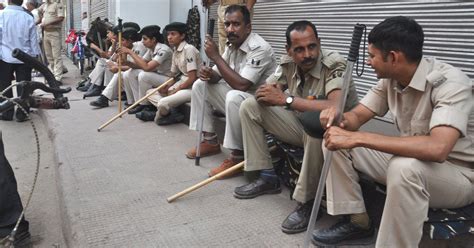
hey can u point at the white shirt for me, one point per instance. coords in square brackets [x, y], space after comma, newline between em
[17, 30]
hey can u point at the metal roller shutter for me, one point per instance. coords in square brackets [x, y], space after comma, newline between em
[99, 8]
[77, 15]
[448, 27]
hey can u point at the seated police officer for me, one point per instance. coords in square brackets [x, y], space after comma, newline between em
[247, 61]
[430, 165]
[309, 73]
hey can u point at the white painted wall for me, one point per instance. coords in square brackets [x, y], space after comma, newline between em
[179, 10]
[144, 12]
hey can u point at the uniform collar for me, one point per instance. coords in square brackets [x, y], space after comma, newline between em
[245, 46]
[181, 46]
[418, 81]
[14, 7]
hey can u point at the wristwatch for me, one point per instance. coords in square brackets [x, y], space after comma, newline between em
[289, 100]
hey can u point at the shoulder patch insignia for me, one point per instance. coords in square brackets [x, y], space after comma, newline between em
[255, 62]
[190, 60]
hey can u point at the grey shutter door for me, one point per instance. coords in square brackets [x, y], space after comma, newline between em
[448, 27]
[99, 8]
[77, 15]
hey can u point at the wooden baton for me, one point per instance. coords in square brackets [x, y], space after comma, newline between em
[207, 181]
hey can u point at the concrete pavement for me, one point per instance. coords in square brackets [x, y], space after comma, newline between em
[113, 187]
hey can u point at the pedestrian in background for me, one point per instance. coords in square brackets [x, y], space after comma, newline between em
[17, 30]
[52, 16]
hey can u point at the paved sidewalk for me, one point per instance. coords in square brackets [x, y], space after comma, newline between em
[113, 186]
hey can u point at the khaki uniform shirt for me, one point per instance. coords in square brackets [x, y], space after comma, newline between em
[254, 60]
[139, 49]
[163, 55]
[438, 95]
[51, 11]
[324, 77]
[185, 59]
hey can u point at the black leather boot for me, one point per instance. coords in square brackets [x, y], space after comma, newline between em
[94, 90]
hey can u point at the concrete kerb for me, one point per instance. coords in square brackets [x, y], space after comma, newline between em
[72, 230]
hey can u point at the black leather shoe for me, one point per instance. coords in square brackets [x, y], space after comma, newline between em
[94, 90]
[136, 109]
[256, 188]
[297, 221]
[146, 115]
[83, 83]
[343, 230]
[173, 118]
[85, 87]
[22, 236]
[100, 102]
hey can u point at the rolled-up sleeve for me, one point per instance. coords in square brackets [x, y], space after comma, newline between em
[335, 80]
[452, 104]
[161, 56]
[376, 98]
[257, 62]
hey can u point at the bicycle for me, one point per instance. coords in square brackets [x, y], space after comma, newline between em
[79, 51]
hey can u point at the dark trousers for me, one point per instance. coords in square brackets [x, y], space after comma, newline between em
[22, 73]
[10, 202]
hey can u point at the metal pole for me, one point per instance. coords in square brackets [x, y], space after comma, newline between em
[210, 30]
[351, 58]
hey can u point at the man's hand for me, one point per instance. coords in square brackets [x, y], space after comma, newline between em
[328, 118]
[123, 50]
[211, 49]
[173, 91]
[205, 73]
[164, 91]
[271, 95]
[114, 69]
[337, 138]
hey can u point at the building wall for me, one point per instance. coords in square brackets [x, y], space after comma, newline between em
[145, 12]
[179, 10]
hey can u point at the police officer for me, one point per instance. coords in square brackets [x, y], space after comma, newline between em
[430, 165]
[186, 60]
[245, 65]
[309, 73]
[130, 40]
[52, 16]
[223, 4]
[153, 69]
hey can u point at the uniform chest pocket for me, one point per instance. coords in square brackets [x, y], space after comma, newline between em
[420, 127]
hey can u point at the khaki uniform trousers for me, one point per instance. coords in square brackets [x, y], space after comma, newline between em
[224, 99]
[164, 103]
[148, 81]
[111, 91]
[412, 187]
[221, 28]
[130, 84]
[52, 48]
[97, 75]
[286, 127]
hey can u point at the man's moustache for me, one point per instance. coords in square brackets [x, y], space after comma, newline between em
[308, 61]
